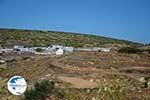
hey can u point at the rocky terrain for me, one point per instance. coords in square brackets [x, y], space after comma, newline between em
[78, 75]
[82, 70]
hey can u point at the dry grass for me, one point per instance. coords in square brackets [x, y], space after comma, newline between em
[88, 65]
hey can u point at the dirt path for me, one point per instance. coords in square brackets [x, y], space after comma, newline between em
[78, 82]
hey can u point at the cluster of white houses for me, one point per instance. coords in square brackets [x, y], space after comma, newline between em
[54, 49]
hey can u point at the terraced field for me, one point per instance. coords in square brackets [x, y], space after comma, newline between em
[84, 70]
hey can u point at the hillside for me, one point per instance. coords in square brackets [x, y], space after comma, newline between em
[74, 72]
[10, 37]
[78, 75]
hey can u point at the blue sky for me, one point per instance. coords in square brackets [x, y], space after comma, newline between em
[123, 19]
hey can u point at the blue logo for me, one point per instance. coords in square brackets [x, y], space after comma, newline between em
[17, 85]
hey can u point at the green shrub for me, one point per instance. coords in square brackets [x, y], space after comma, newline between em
[40, 91]
[147, 50]
[129, 50]
[39, 50]
[2, 90]
[2, 69]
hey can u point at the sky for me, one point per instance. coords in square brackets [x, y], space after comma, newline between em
[122, 19]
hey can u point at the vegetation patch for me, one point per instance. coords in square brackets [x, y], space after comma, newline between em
[129, 50]
[112, 89]
[39, 50]
[46, 38]
[42, 90]
[2, 90]
[147, 50]
[1, 69]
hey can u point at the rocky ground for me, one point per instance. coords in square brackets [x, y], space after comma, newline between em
[81, 70]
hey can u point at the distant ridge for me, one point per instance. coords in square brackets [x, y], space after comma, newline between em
[10, 37]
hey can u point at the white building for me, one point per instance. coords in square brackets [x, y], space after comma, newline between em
[83, 49]
[2, 61]
[57, 47]
[23, 49]
[5, 50]
[105, 49]
[59, 52]
[68, 49]
[54, 49]
[18, 46]
[94, 49]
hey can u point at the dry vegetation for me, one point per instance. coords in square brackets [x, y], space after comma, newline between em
[112, 72]
[77, 75]
[10, 37]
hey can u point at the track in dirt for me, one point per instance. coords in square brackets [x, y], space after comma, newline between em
[78, 82]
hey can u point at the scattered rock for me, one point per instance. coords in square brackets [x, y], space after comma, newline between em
[91, 80]
[93, 98]
[48, 75]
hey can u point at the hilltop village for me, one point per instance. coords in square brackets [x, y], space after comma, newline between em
[54, 49]
[21, 52]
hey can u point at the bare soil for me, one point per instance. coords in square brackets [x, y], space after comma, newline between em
[79, 69]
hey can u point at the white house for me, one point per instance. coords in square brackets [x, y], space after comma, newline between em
[68, 49]
[57, 47]
[54, 49]
[2, 61]
[23, 49]
[18, 46]
[59, 52]
[5, 50]
[105, 49]
[84, 49]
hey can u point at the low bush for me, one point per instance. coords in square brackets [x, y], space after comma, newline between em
[40, 91]
[2, 90]
[2, 69]
[147, 50]
[39, 50]
[129, 50]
